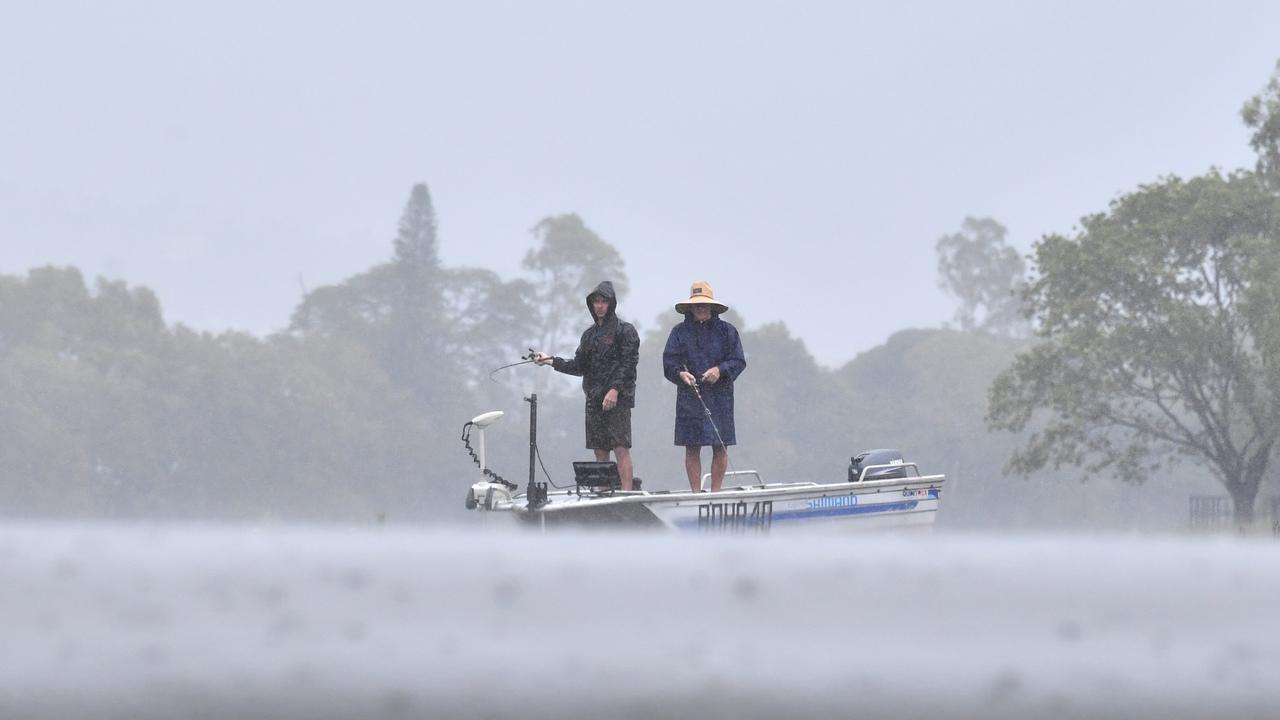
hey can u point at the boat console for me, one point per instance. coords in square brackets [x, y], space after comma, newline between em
[596, 476]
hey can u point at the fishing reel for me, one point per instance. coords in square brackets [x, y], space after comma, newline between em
[524, 360]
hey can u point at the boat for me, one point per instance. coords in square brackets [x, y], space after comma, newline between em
[881, 491]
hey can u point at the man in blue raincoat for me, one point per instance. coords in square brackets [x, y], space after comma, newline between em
[703, 358]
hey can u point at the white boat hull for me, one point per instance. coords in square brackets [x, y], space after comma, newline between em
[779, 507]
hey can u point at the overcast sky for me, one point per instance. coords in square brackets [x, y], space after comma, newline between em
[802, 157]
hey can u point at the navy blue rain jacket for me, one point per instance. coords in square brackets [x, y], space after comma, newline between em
[698, 347]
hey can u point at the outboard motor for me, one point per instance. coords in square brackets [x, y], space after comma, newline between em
[881, 464]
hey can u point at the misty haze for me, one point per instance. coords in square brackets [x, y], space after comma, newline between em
[262, 264]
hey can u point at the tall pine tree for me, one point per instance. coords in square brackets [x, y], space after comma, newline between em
[417, 329]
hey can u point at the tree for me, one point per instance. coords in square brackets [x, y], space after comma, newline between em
[417, 329]
[395, 308]
[491, 321]
[978, 267]
[75, 432]
[570, 261]
[359, 308]
[1159, 338]
[786, 402]
[1261, 113]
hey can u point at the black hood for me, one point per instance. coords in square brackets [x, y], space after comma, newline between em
[604, 289]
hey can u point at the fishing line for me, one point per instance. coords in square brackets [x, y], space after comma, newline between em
[524, 360]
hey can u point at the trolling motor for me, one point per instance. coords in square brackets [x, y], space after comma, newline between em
[494, 492]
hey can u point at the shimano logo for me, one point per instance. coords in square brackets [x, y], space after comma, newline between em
[833, 502]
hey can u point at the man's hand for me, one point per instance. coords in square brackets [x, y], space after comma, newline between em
[542, 358]
[687, 377]
[711, 376]
[610, 399]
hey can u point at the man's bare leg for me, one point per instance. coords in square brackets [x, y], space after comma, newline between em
[719, 463]
[603, 456]
[623, 454]
[693, 466]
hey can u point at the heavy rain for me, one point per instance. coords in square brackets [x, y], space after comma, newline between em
[262, 264]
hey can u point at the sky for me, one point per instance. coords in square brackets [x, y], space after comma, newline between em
[803, 157]
[187, 621]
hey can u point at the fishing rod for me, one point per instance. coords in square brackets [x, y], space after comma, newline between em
[707, 410]
[524, 360]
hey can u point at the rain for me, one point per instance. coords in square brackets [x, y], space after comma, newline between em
[262, 264]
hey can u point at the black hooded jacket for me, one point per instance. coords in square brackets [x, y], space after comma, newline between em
[607, 355]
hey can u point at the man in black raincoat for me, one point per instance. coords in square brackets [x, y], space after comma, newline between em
[606, 359]
[704, 357]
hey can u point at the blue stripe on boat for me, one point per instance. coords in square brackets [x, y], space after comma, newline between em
[841, 511]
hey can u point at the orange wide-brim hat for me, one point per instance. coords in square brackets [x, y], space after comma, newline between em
[701, 294]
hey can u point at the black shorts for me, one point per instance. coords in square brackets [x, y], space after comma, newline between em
[610, 429]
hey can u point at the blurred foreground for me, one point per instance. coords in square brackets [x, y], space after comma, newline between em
[189, 621]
